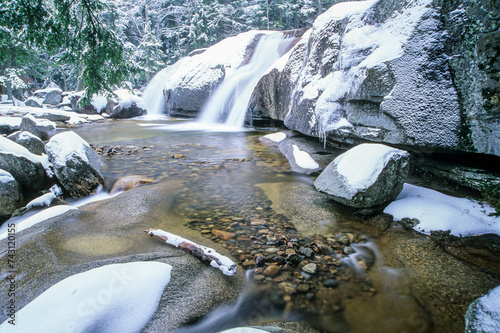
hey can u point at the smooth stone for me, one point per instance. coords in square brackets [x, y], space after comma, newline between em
[310, 268]
[331, 283]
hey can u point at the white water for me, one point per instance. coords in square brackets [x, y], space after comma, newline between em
[229, 103]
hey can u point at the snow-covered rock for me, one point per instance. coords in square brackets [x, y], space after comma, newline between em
[25, 167]
[50, 95]
[112, 298]
[31, 142]
[33, 101]
[365, 176]
[388, 72]
[438, 211]
[10, 194]
[9, 125]
[39, 127]
[128, 105]
[483, 315]
[76, 165]
[188, 83]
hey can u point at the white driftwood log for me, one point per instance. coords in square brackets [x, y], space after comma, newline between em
[226, 265]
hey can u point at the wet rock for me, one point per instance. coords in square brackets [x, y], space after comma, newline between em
[308, 252]
[303, 287]
[310, 268]
[225, 235]
[331, 283]
[342, 238]
[179, 156]
[76, 165]
[128, 182]
[248, 264]
[365, 176]
[31, 142]
[271, 270]
[348, 250]
[293, 259]
[40, 128]
[10, 194]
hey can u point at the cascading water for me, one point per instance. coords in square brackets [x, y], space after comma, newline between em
[229, 102]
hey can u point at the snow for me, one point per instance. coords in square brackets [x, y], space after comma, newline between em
[303, 159]
[244, 330]
[485, 312]
[75, 120]
[40, 217]
[227, 266]
[11, 147]
[46, 90]
[10, 121]
[276, 137]
[47, 124]
[65, 144]
[342, 10]
[437, 211]
[5, 177]
[126, 98]
[113, 298]
[43, 200]
[99, 102]
[362, 164]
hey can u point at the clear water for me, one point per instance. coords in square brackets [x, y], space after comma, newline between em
[224, 174]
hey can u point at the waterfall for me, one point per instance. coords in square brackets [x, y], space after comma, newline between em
[229, 102]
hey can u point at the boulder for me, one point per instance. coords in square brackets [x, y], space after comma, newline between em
[38, 127]
[9, 125]
[10, 194]
[51, 95]
[127, 105]
[76, 165]
[34, 102]
[483, 315]
[25, 167]
[128, 182]
[381, 71]
[31, 142]
[365, 176]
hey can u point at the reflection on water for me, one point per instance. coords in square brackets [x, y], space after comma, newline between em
[226, 180]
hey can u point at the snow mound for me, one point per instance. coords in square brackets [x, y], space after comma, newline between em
[113, 298]
[275, 137]
[437, 211]
[303, 159]
[40, 217]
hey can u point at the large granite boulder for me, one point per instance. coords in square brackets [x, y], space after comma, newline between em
[25, 167]
[51, 95]
[483, 315]
[39, 127]
[365, 176]
[416, 73]
[76, 164]
[10, 194]
[31, 142]
[127, 105]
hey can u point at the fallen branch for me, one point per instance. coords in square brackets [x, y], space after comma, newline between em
[226, 265]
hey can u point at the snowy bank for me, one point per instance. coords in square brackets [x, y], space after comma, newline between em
[437, 211]
[113, 298]
[483, 315]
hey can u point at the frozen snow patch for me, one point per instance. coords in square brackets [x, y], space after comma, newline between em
[275, 137]
[113, 298]
[303, 159]
[437, 211]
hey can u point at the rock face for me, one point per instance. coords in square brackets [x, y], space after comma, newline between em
[76, 165]
[24, 166]
[365, 176]
[40, 128]
[387, 72]
[190, 82]
[483, 315]
[10, 194]
[31, 142]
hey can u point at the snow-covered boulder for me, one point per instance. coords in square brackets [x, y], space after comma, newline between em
[112, 298]
[127, 105]
[189, 82]
[365, 176]
[27, 168]
[76, 164]
[10, 194]
[9, 125]
[33, 101]
[483, 315]
[31, 142]
[51, 95]
[39, 127]
[389, 72]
